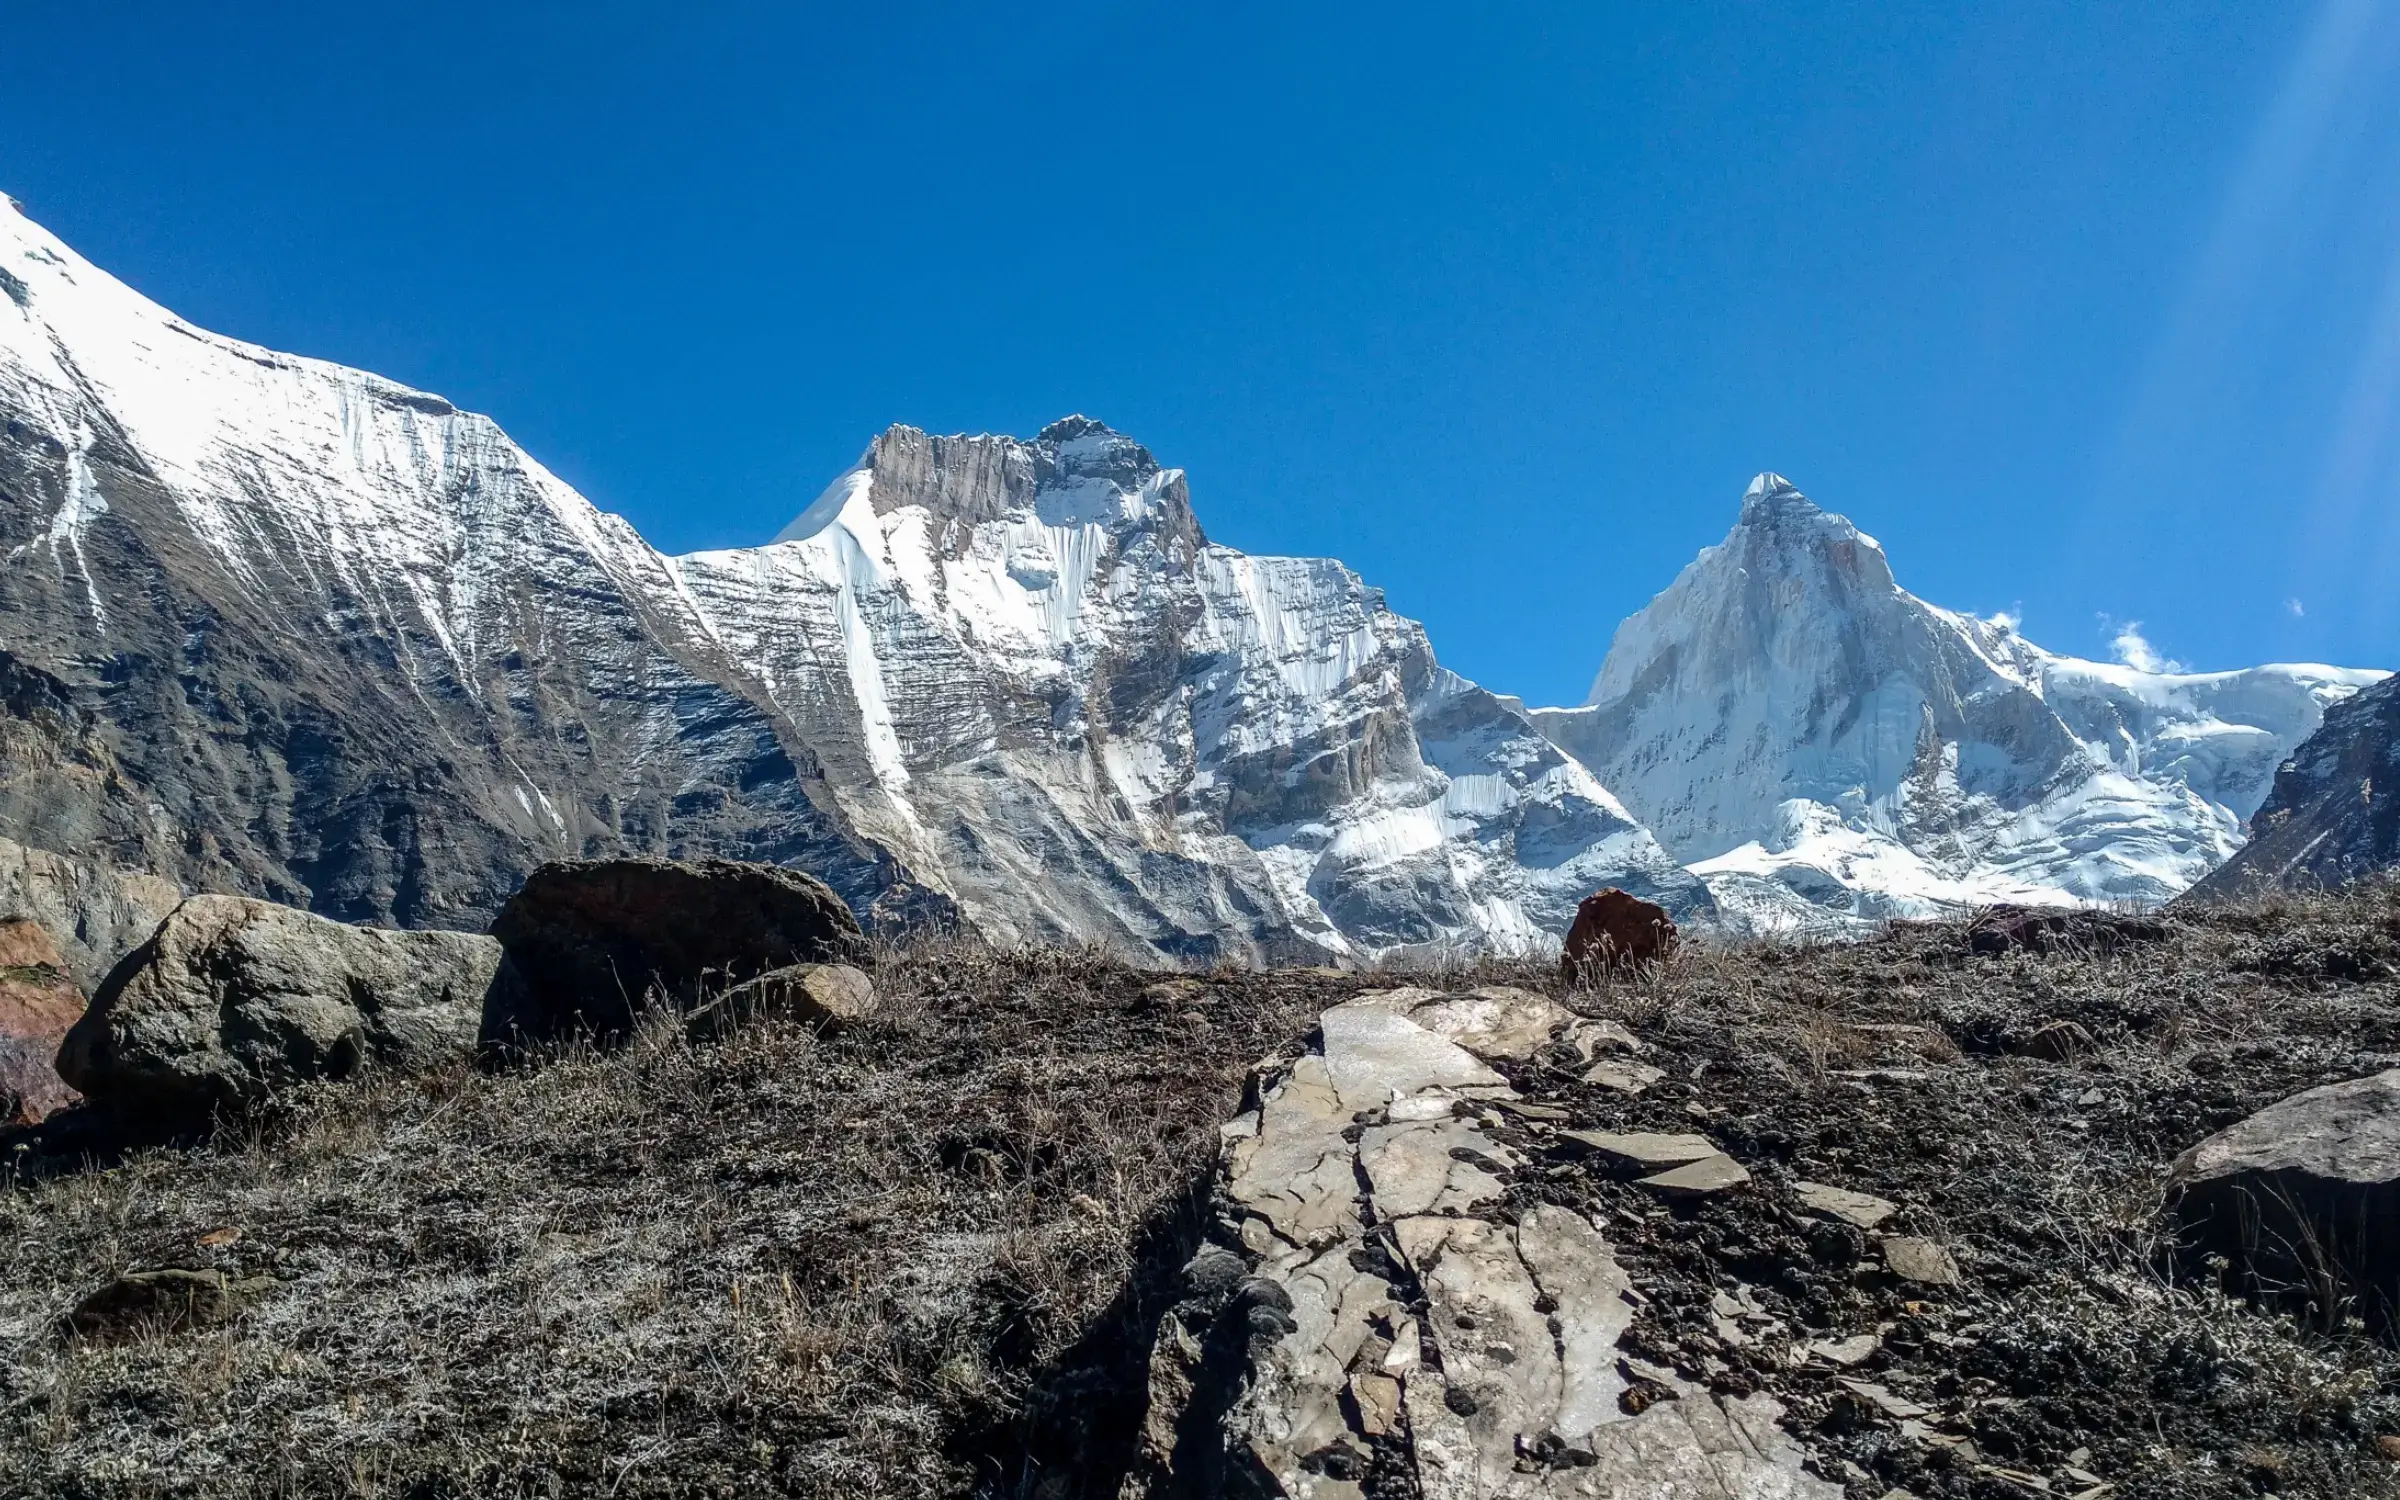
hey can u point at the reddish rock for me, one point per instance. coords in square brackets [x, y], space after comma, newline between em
[1616, 929]
[39, 1001]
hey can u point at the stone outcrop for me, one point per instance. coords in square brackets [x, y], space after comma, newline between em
[2333, 814]
[598, 941]
[94, 913]
[1366, 1309]
[1616, 930]
[233, 999]
[38, 1002]
[2303, 1199]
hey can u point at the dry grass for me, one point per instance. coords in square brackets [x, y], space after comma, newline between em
[924, 1258]
[813, 1266]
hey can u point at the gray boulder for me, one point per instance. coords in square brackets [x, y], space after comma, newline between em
[597, 941]
[2303, 1199]
[232, 999]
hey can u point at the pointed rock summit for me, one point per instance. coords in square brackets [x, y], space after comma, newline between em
[1828, 750]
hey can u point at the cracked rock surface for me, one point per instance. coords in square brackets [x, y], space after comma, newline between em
[1390, 1329]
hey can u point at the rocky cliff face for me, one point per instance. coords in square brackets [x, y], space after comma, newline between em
[2334, 812]
[277, 627]
[1829, 750]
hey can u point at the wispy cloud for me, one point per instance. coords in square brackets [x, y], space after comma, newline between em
[2134, 649]
[2007, 619]
[2298, 609]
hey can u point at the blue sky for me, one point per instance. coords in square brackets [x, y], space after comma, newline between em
[2091, 316]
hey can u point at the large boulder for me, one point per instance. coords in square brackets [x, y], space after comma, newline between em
[598, 941]
[1616, 929]
[39, 1001]
[2303, 1199]
[233, 999]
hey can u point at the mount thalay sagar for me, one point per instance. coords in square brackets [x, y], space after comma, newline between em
[271, 626]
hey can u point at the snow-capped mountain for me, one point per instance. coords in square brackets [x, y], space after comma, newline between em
[1827, 750]
[269, 624]
[1089, 718]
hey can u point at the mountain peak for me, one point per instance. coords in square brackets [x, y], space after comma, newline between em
[1075, 425]
[1771, 495]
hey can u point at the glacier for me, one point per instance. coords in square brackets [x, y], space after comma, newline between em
[1829, 751]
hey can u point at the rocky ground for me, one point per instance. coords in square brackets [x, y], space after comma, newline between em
[927, 1256]
[2020, 1112]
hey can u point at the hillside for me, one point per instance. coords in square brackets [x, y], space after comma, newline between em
[927, 1257]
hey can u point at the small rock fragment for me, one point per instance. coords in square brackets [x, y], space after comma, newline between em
[1623, 1075]
[1862, 1209]
[1897, 1407]
[1378, 1400]
[828, 996]
[2060, 1041]
[1848, 1353]
[1919, 1260]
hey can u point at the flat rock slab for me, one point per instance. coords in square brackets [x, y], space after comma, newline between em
[1364, 1184]
[1710, 1174]
[1622, 1074]
[1864, 1210]
[1644, 1149]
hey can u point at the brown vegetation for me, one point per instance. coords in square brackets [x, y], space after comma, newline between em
[923, 1257]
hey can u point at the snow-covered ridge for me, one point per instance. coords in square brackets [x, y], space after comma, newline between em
[1827, 749]
[1008, 674]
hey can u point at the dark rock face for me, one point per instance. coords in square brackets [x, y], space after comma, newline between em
[2032, 929]
[234, 998]
[595, 941]
[2334, 813]
[38, 1002]
[2303, 1199]
[1616, 929]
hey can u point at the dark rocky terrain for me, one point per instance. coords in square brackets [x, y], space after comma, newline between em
[2334, 813]
[928, 1255]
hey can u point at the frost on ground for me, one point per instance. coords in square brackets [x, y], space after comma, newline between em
[928, 1257]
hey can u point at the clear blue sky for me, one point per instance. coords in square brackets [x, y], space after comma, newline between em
[2085, 309]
